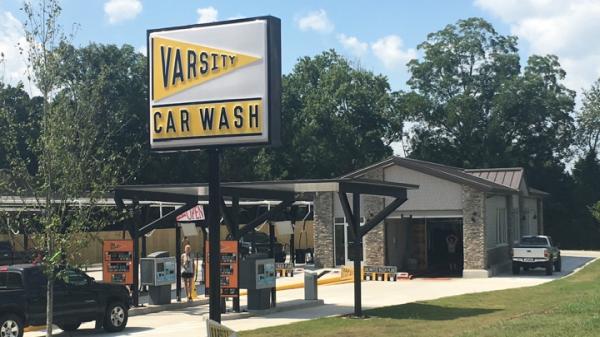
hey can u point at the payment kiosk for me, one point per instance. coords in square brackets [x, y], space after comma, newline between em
[159, 272]
[258, 276]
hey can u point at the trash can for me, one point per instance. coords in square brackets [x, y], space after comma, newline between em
[310, 285]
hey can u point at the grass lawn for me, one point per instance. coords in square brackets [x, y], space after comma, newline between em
[565, 307]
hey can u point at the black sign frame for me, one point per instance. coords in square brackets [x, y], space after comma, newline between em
[273, 85]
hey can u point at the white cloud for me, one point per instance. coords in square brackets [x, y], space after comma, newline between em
[353, 44]
[14, 68]
[122, 10]
[566, 28]
[509, 10]
[208, 14]
[317, 21]
[389, 51]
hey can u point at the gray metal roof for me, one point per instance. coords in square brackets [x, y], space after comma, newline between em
[510, 177]
[450, 173]
[494, 180]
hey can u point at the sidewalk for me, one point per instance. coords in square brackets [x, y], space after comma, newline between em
[338, 300]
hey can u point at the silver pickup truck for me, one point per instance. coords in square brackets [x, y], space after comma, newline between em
[536, 251]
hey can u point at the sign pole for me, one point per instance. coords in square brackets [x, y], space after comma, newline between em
[357, 247]
[214, 235]
[241, 109]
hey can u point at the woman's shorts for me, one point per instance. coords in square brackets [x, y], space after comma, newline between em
[187, 275]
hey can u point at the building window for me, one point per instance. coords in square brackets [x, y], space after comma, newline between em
[343, 235]
[501, 228]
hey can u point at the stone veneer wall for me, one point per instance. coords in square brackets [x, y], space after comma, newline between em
[374, 241]
[474, 228]
[323, 230]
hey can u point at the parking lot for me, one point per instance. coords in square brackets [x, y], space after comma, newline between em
[338, 300]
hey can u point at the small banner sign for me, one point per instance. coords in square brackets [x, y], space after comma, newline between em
[193, 214]
[215, 329]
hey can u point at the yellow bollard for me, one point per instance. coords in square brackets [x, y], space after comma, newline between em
[194, 290]
[194, 282]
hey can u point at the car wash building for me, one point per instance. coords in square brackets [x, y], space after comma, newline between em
[459, 221]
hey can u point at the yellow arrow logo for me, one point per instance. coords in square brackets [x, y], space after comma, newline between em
[178, 65]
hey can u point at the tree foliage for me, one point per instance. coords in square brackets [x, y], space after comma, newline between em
[335, 119]
[476, 108]
[588, 119]
[69, 143]
[595, 210]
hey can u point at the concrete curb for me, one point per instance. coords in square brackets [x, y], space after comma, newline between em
[285, 306]
[282, 307]
[150, 309]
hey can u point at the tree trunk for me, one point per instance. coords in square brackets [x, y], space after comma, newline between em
[50, 287]
[49, 306]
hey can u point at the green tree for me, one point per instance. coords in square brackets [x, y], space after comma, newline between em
[18, 124]
[586, 173]
[595, 210]
[454, 85]
[532, 116]
[111, 83]
[474, 106]
[68, 153]
[335, 119]
[588, 119]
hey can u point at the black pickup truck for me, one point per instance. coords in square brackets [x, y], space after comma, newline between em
[77, 298]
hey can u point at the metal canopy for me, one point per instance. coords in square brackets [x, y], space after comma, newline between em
[261, 190]
[285, 191]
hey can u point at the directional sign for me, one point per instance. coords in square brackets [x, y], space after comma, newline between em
[216, 84]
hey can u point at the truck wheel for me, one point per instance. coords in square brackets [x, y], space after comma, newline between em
[115, 317]
[549, 268]
[69, 327]
[558, 264]
[516, 268]
[11, 326]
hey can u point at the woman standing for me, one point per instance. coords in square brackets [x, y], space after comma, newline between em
[187, 271]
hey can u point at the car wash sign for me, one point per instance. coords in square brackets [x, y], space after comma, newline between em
[216, 84]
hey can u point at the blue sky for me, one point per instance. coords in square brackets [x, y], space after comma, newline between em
[361, 30]
[351, 27]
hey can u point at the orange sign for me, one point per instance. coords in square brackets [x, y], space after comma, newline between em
[229, 268]
[117, 262]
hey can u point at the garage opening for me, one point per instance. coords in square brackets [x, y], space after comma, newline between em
[425, 246]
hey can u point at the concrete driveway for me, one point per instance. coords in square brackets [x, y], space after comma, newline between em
[339, 300]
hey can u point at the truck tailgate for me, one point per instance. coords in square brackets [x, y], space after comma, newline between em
[529, 253]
